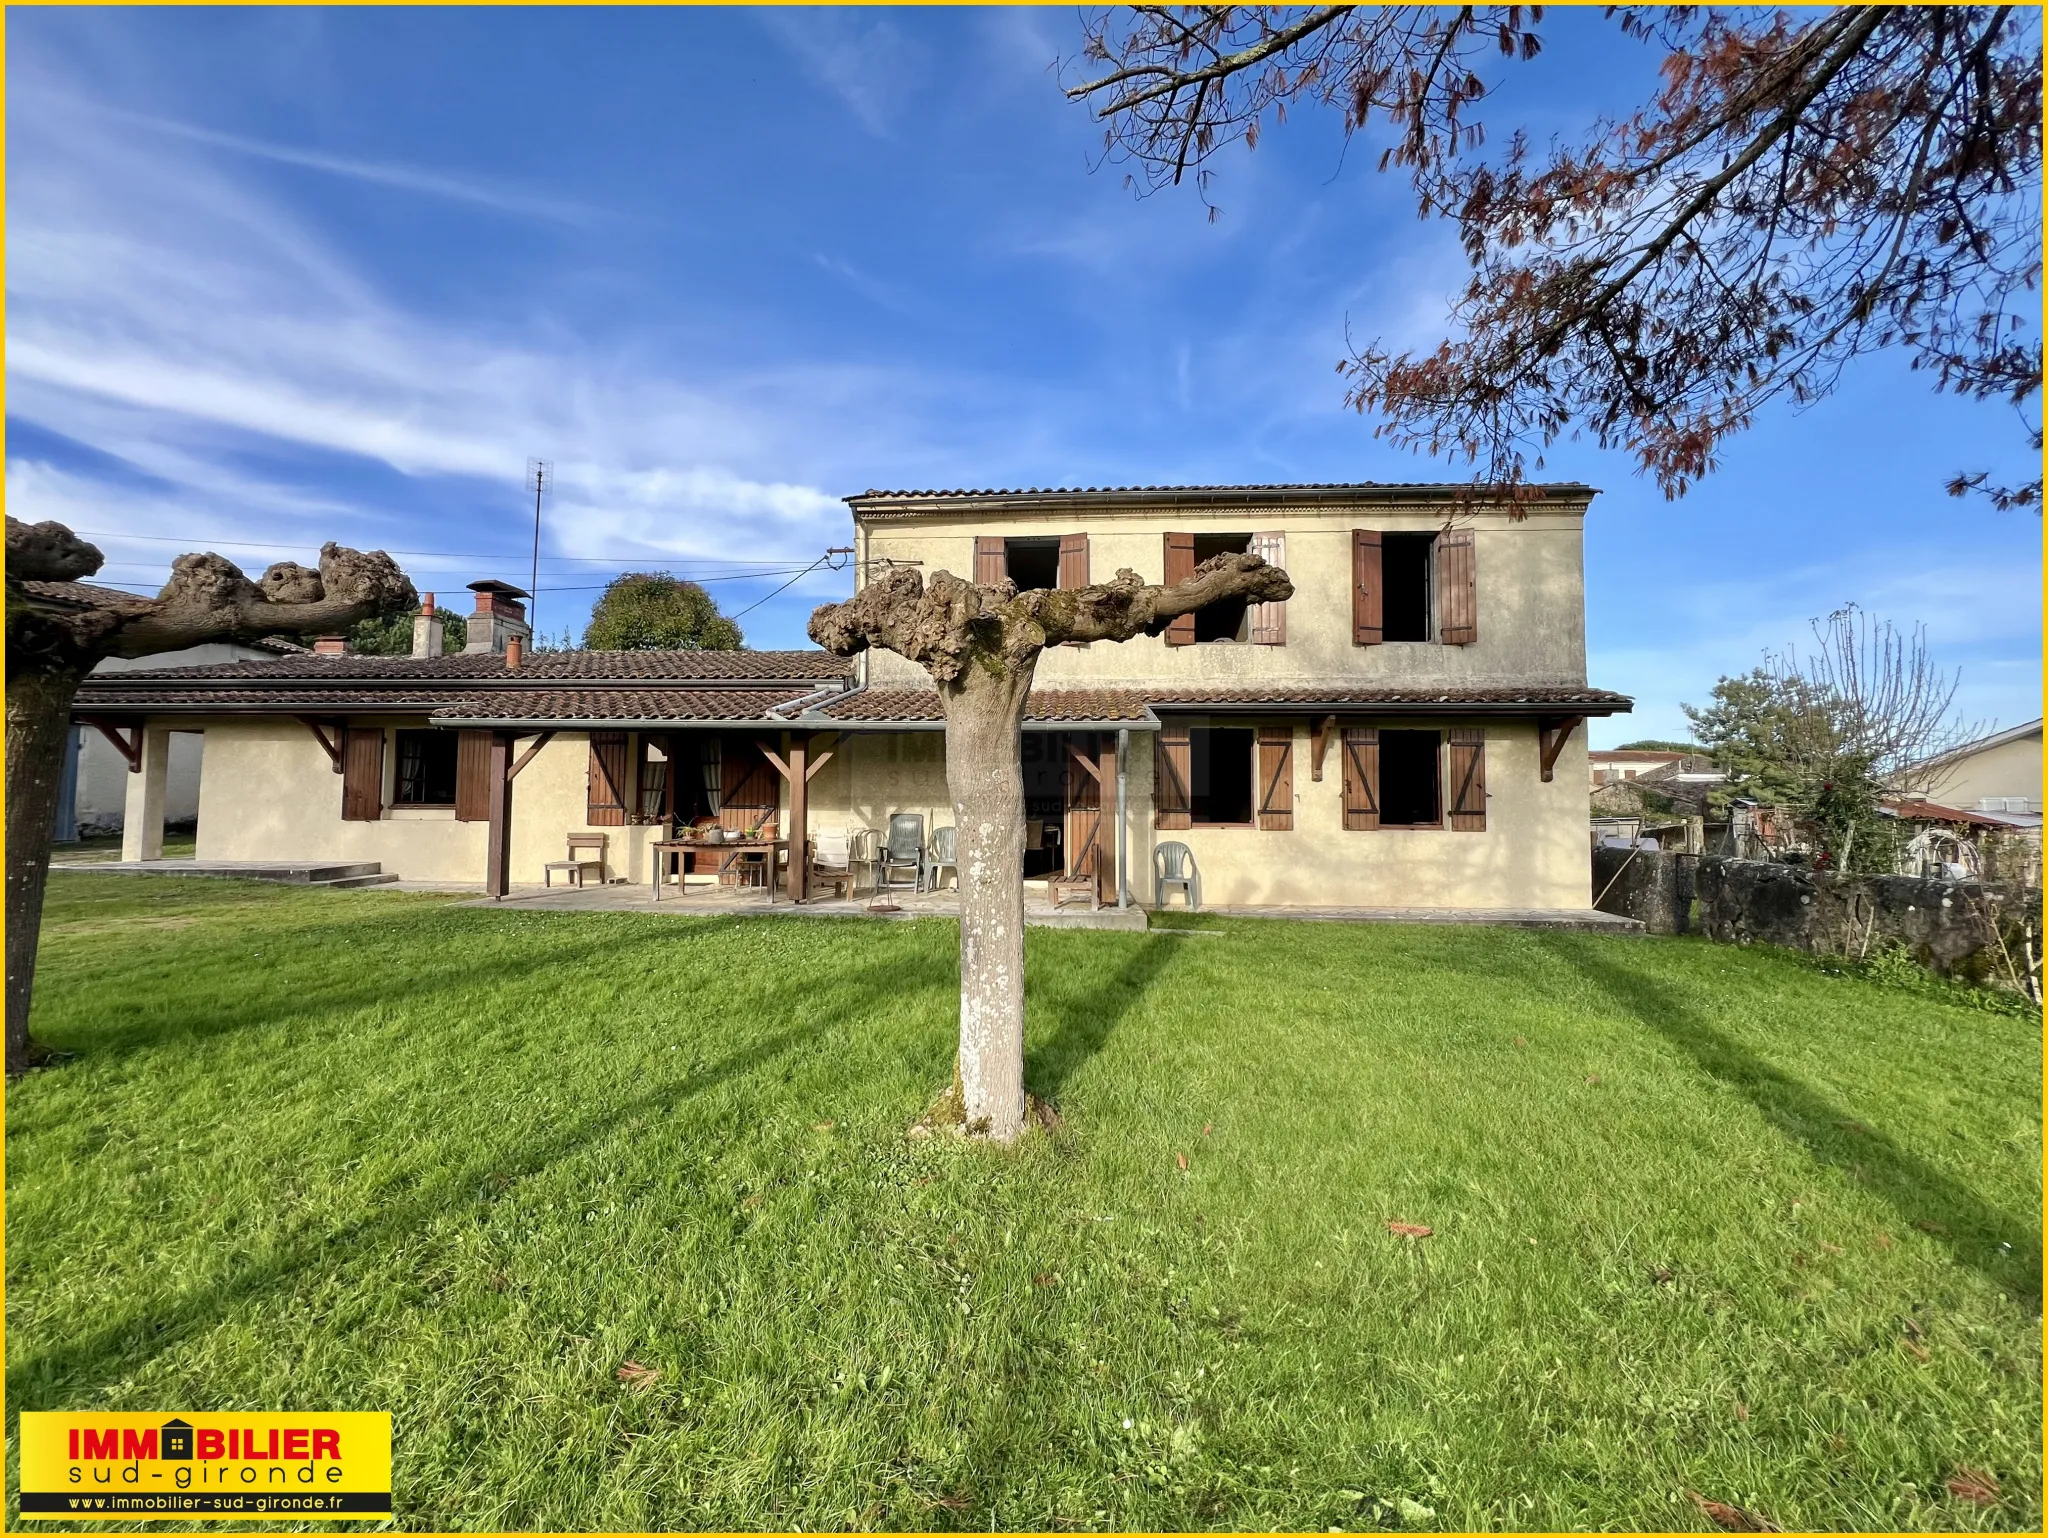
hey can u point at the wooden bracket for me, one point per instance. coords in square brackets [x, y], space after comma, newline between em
[1318, 743]
[320, 729]
[130, 747]
[1094, 772]
[1551, 735]
[773, 757]
[811, 769]
[527, 757]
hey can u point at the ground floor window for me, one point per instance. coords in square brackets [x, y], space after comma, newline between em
[426, 769]
[1411, 795]
[1220, 774]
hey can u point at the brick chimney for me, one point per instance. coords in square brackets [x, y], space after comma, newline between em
[426, 631]
[498, 618]
[330, 646]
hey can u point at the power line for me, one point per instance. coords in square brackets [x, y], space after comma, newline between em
[792, 582]
[453, 555]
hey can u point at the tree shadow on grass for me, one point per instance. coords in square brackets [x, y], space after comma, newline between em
[1083, 1017]
[76, 1367]
[2005, 1249]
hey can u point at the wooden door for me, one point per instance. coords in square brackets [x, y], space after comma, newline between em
[1084, 823]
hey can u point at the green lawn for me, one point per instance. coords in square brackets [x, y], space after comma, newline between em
[1706, 1220]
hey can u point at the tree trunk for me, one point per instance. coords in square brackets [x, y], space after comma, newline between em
[984, 727]
[38, 720]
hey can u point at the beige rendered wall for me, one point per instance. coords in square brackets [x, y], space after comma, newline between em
[2010, 769]
[1531, 593]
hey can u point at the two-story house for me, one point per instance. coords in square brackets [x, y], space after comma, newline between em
[1404, 732]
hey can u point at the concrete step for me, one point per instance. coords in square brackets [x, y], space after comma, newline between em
[291, 872]
[339, 883]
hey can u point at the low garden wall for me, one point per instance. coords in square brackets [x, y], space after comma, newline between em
[1648, 885]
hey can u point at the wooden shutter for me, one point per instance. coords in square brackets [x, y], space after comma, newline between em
[1457, 588]
[1083, 809]
[1368, 607]
[752, 790]
[1073, 560]
[1361, 777]
[1180, 565]
[473, 777]
[362, 774]
[605, 799]
[1172, 765]
[1276, 777]
[1269, 620]
[991, 561]
[1467, 799]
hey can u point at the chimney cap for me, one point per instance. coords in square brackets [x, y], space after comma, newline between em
[488, 586]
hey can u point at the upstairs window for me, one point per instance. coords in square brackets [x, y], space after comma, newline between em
[1032, 562]
[426, 768]
[1405, 585]
[1221, 621]
[1411, 795]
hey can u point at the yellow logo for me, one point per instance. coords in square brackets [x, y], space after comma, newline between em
[84, 1464]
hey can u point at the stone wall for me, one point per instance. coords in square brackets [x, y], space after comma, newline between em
[1951, 927]
[1648, 885]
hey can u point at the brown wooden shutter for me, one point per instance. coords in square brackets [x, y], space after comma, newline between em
[991, 561]
[1172, 767]
[753, 790]
[1467, 799]
[1276, 777]
[1269, 620]
[1368, 608]
[473, 777]
[1362, 777]
[1073, 560]
[362, 774]
[605, 799]
[1180, 565]
[1457, 588]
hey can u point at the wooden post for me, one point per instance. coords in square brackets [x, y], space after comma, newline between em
[799, 813]
[498, 847]
[1107, 848]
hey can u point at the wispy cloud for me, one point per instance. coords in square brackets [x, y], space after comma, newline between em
[869, 66]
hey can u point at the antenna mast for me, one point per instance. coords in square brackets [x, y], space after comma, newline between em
[540, 477]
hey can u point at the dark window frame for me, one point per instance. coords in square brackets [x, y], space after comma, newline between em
[1401, 550]
[1209, 619]
[1038, 549]
[1201, 755]
[1436, 762]
[416, 777]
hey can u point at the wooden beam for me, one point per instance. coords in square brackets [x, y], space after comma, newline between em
[130, 747]
[1085, 762]
[320, 729]
[1319, 731]
[773, 757]
[1552, 732]
[527, 757]
[799, 817]
[818, 763]
[498, 846]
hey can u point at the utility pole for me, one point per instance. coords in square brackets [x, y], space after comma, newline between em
[540, 475]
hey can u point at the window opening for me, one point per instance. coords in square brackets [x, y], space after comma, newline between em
[1220, 768]
[1410, 794]
[1221, 621]
[1404, 582]
[1032, 562]
[426, 769]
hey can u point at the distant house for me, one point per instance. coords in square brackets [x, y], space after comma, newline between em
[1999, 775]
[1609, 766]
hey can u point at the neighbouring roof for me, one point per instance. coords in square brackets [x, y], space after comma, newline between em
[1632, 755]
[1917, 810]
[2018, 733]
[906, 504]
[86, 595]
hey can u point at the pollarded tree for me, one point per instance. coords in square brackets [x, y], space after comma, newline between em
[981, 645]
[59, 627]
[1803, 187]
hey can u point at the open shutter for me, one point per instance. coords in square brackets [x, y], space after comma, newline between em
[1269, 620]
[991, 561]
[362, 774]
[753, 790]
[473, 777]
[1362, 777]
[1276, 777]
[1172, 764]
[605, 800]
[1180, 565]
[1073, 560]
[1457, 588]
[1468, 779]
[1368, 611]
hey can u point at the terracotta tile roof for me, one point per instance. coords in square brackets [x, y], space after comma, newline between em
[116, 694]
[920, 705]
[87, 595]
[1434, 697]
[551, 705]
[694, 666]
[1292, 491]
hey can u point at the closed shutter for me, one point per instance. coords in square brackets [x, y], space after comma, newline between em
[1172, 762]
[1073, 560]
[991, 561]
[1368, 610]
[1276, 777]
[362, 774]
[753, 790]
[1467, 799]
[1457, 588]
[1269, 620]
[1361, 778]
[473, 777]
[605, 799]
[1084, 812]
[1180, 565]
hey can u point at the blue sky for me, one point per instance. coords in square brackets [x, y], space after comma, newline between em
[277, 276]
